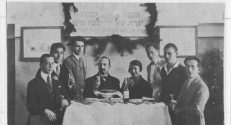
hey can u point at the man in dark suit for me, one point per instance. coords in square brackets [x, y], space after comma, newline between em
[101, 81]
[44, 95]
[73, 73]
[173, 75]
[193, 96]
[57, 51]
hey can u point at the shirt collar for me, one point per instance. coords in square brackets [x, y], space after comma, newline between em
[155, 62]
[190, 80]
[174, 66]
[44, 76]
[76, 56]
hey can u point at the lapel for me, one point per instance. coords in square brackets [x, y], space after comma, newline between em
[78, 63]
[44, 89]
[190, 90]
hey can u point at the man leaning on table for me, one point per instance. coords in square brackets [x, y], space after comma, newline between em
[96, 85]
[45, 95]
[193, 96]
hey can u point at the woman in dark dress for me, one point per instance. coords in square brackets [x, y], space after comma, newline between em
[138, 87]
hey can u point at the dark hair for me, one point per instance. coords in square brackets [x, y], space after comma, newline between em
[105, 57]
[78, 38]
[152, 45]
[42, 58]
[169, 45]
[136, 63]
[192, 58]
[57, 45]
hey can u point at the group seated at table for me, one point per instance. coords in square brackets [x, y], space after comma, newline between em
[103, 85]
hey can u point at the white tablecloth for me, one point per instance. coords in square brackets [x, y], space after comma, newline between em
[99, 113]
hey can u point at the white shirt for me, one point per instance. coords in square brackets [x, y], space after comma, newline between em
[44, 76]
[175, 66]
[57, 66]
[76, 56]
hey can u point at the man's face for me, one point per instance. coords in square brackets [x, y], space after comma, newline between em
[152, 53]
[58, 55]
[134, 70]
[170, 55]
[103, 66]
[78, 47]
[192, 68]
[48, 65]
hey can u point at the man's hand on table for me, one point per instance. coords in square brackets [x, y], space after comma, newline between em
[64, 103]
[50, 115]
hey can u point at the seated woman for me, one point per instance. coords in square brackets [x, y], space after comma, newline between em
[138, 87]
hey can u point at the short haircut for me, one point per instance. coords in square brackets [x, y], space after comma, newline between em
[152, 45]
[192, 58]
[78, 38]
[42, 58]
[135, 63]
[105, 57]
[57, 45]
[169, 45]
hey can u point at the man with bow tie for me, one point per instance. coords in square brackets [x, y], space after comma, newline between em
[45, 95]
[101, 81]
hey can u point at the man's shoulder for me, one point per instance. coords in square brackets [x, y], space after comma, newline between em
[34, 81]
[113, 78]
[68, 59]
[200, 83]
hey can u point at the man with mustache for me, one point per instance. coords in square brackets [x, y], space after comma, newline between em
[74, 69]
[102, 81]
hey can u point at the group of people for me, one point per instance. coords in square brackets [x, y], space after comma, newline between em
[60, 80]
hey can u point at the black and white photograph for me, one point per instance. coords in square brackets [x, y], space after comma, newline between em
[116, 63]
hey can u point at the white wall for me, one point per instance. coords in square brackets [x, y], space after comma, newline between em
[51, 14]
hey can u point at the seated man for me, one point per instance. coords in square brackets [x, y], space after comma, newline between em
[193, 96]
[102, 82]
[45, 95]
[138, 87]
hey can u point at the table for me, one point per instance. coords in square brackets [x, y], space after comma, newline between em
[99, 113]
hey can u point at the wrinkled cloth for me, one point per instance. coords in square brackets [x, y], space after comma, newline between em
[99, 113]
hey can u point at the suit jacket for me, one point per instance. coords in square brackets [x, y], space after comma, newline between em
[172, 83]
[111, 83]
[140, 88]
[77, 69]
[191, 103]
[39, 98]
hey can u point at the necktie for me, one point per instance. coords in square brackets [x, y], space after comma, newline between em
[58, 70]
[49, 83]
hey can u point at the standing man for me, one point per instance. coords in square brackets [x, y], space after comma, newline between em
[57, 51]
[45, 95]
[193, 96]
[74, 69]
[154, 69]
[102, 81]
[173, 76]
